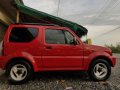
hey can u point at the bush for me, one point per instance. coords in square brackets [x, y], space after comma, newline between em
[115, 49]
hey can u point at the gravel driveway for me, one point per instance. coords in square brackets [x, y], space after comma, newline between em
[65, 81]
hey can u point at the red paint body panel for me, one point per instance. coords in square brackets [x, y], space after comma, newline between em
[59, 57]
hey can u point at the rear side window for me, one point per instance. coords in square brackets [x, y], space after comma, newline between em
[23, 34]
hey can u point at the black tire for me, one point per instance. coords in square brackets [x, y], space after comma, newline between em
[28, 72]
[92, 68]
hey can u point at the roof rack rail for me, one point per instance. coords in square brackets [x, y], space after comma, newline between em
[42, 24]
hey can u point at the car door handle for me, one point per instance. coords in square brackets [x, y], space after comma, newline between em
[48, 47]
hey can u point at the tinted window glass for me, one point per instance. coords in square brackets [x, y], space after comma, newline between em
[23, 34]
[54, 36]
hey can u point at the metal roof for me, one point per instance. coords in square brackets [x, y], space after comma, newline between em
[34, 16]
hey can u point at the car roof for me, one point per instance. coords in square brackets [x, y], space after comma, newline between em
[38, 25]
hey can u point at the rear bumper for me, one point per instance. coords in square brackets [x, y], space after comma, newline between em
[3, 61]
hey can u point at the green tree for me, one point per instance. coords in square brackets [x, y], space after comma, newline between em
[115, 49]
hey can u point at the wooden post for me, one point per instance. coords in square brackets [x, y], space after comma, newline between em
[18, 17]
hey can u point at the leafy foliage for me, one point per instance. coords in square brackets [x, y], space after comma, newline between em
[115, 49]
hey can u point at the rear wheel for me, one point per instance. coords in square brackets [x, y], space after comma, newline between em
[18, 72]
[99, 70]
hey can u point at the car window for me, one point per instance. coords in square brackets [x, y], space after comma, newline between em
[54, 36]
[69, 37]
[23, 34]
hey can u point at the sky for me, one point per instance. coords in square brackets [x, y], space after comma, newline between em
[100, 17]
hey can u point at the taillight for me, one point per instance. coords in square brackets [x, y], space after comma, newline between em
[1, 48]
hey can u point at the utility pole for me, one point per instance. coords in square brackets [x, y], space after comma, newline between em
[58, 7]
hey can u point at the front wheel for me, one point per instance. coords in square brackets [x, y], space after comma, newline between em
[18, 72]
[99, 70]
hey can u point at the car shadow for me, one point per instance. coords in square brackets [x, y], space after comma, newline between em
[62, 75]
[52, 76]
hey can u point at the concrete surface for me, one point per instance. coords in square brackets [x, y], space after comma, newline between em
[66, 81]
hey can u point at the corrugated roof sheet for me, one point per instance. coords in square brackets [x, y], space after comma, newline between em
[44, 17]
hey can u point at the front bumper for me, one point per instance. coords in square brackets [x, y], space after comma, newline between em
[113, 59]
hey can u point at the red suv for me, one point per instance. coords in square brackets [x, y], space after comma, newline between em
[30, 48]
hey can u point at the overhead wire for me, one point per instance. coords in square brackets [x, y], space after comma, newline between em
[111, 3]
[116, 4]
[108, 7]
[107, 32]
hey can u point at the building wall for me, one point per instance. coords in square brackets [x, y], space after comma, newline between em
[2, 31]
[4, 22]
[4, 17]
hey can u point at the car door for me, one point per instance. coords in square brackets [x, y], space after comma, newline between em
[58, 50]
